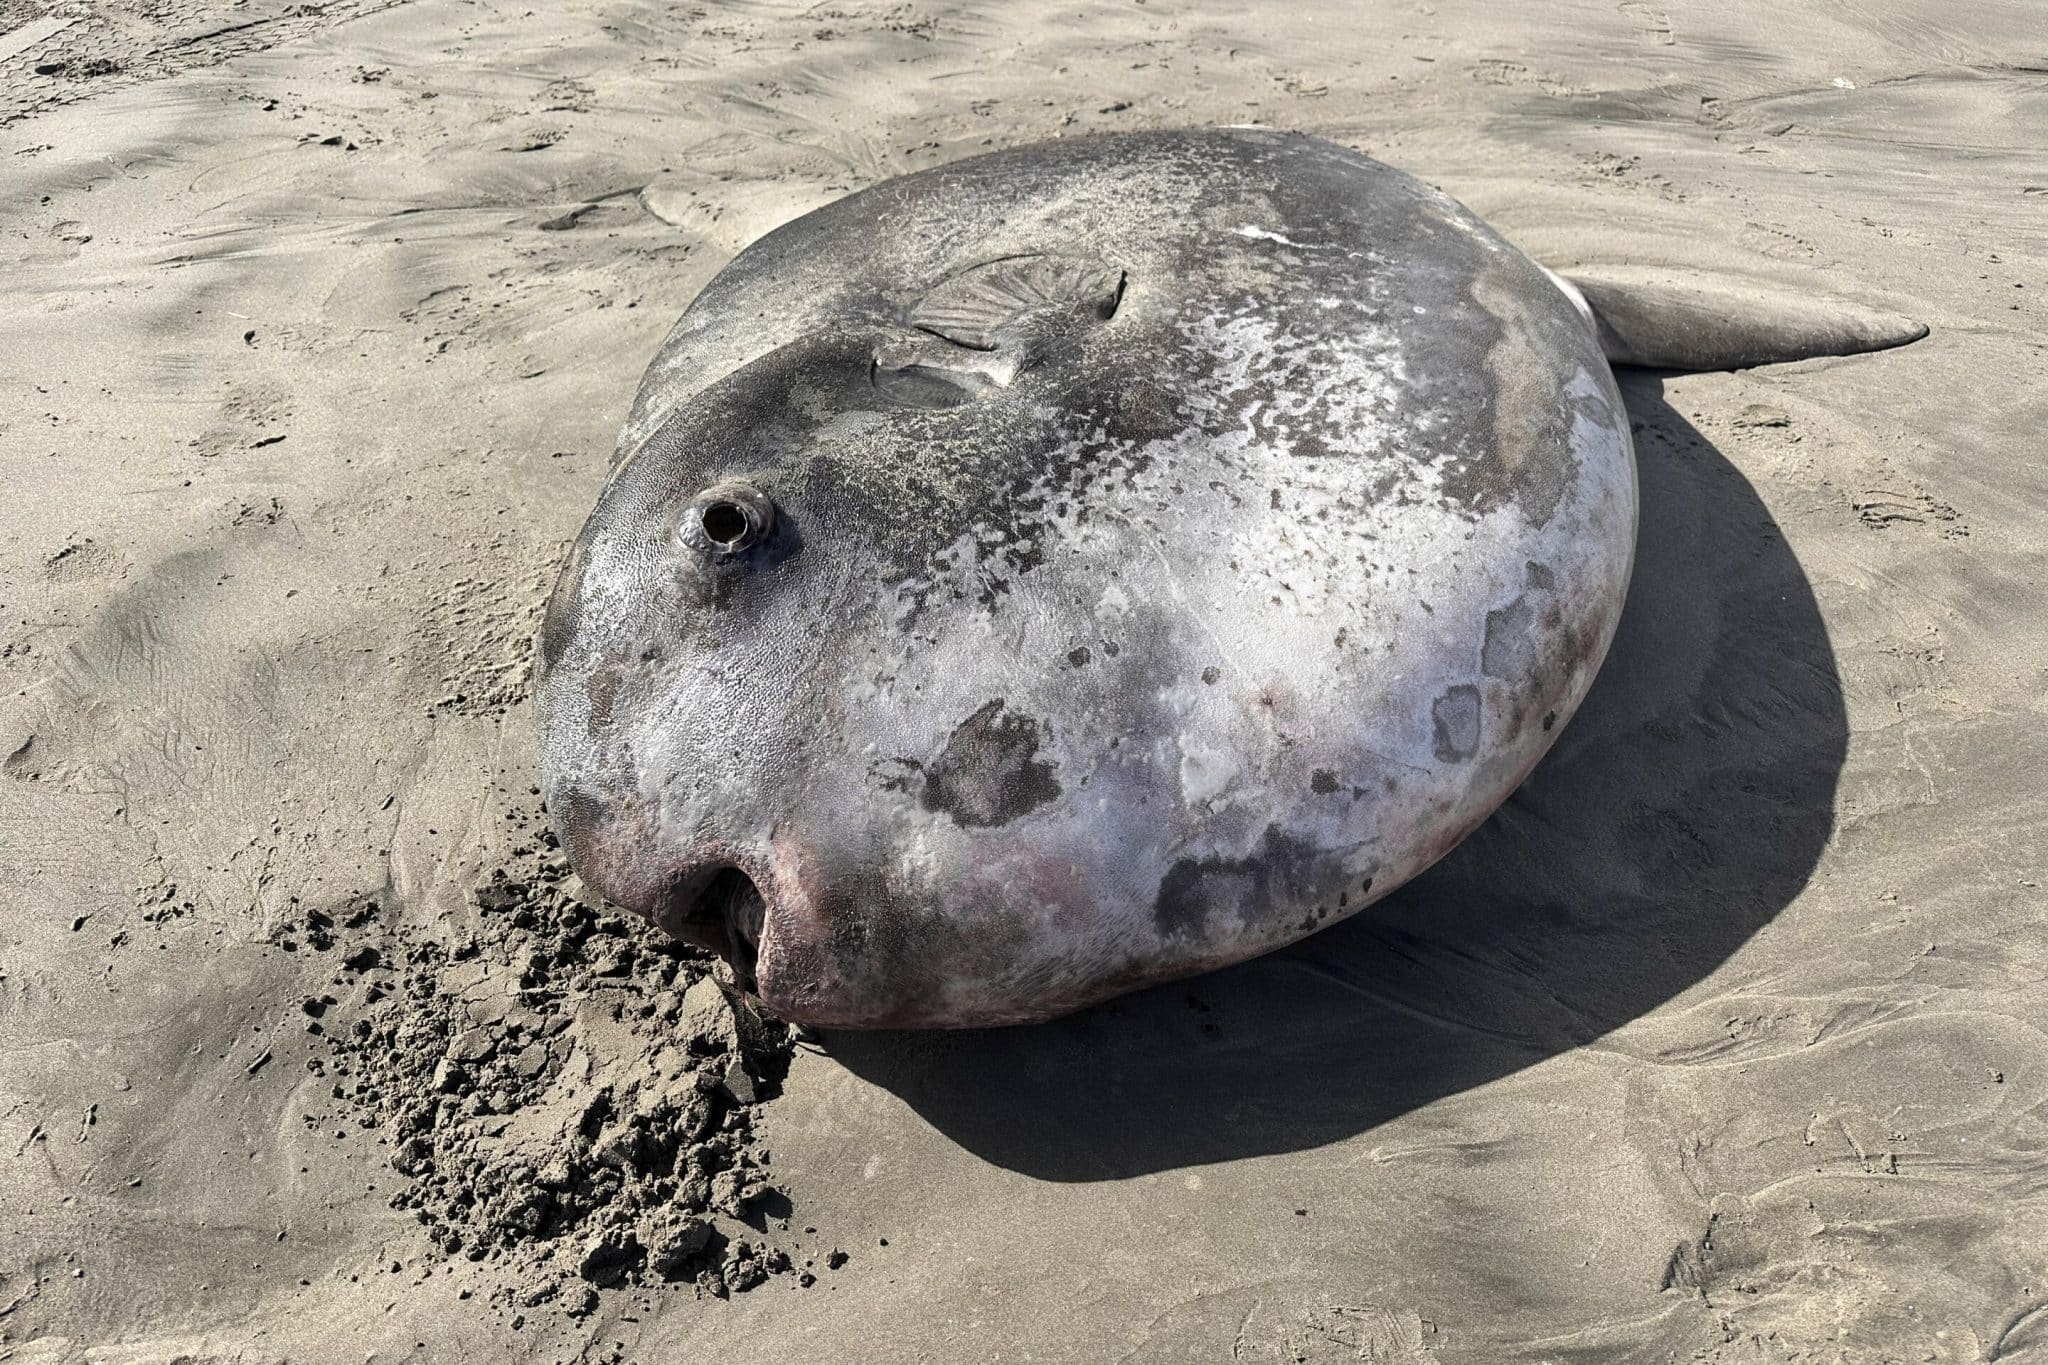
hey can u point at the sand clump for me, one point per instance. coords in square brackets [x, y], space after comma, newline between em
[569, 1093]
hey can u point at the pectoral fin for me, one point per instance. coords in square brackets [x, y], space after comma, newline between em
[1668, 321]
[981, 328]
[996, 303]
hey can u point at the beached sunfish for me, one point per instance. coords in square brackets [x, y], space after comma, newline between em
[1094, 563]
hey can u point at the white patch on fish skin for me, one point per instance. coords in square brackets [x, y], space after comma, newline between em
[1335, 388]
[1260, 234]
[1205, 773]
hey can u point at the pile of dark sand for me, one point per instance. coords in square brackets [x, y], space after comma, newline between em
[570, 1092]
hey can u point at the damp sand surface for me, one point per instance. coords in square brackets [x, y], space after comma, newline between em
[1722, 1041]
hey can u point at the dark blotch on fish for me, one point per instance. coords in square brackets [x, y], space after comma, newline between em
[1283, 872]
[989, 773]
[1455, 716]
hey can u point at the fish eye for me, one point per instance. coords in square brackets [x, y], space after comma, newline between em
[727, 518]
[725, 522]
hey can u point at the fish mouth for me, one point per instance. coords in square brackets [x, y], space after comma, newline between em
[721, 910]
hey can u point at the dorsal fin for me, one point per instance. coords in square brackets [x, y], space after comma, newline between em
[1661, 320]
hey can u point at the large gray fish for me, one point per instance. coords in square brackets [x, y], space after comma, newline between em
[1094, 563]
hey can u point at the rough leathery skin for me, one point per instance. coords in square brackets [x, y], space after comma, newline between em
[1105, 649]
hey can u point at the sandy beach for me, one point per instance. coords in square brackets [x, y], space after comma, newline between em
[1721, 1041]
